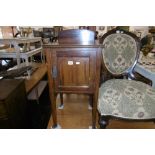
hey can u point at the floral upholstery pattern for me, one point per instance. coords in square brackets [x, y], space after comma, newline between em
[126, 99]
[119, 52]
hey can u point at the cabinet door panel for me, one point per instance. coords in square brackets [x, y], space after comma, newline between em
[73, 71]
[76, 70]
[81, 71]
[65, 71]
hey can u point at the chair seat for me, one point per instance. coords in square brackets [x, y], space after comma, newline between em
[127, 99]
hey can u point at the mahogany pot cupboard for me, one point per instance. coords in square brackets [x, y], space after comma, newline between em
[74, 67]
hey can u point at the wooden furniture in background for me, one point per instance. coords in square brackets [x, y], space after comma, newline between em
[15, 51]
[36, 77]
[39, 108]
[12, 104]
[15, 92]
[74, 67]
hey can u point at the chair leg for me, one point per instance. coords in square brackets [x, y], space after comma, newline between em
[103, 122]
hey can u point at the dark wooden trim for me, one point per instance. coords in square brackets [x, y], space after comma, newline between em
[104, 120]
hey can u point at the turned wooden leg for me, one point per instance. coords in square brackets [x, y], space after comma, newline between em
[103, 122]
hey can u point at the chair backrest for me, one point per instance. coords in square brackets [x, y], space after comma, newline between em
[76, 36]
[120, 52]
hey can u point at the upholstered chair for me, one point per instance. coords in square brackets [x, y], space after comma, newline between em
[123, 98]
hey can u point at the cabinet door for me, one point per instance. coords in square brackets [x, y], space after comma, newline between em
[75, 70]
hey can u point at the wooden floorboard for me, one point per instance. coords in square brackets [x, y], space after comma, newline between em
[76, 115]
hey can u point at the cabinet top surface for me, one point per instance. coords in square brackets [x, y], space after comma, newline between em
[57, 45]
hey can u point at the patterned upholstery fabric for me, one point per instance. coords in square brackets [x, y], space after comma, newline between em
[119, 52]
[127, 99]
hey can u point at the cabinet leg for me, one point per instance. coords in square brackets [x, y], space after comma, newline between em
[61, 106]
[90, 105]
[54, 112]
[94, 111]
